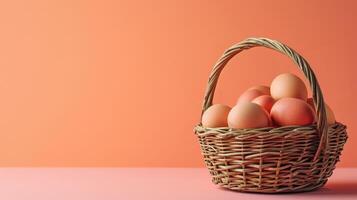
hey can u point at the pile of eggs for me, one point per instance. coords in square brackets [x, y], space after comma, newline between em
[284, 103]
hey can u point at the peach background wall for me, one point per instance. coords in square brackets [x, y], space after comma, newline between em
[120, 83]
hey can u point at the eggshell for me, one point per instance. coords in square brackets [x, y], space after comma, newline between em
[249, 95]
[329, 113]
[292, 111]
[262, 88]
[288, 85]
[248, 115]
[216, 116]
[265, 101]
[310, 101]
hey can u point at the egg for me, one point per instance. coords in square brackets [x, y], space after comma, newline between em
[329, 113]
[288, 85]
[265, 101]
[262, 88]
[292, 111]
[310, 101]
[216, 116]
[248, 115]
[249, 95]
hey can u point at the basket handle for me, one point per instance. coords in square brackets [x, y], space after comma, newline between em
[299, 61]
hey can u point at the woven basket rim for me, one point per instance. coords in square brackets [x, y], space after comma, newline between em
[225, 131]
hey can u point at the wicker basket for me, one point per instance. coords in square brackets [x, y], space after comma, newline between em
[271, 160]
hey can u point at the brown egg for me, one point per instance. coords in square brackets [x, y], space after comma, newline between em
[265, 101]
[329, 113]
[216, 116]
[310, 101]
[292, 111]
[249, 95]
[288, 85]
[262, 88]
[248, 115]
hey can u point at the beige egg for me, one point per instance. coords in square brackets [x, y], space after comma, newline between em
[248, 115]
[265, 101]
[249, 95]
[216, 116]
[262, 88]
[288, 85]
[292, 111]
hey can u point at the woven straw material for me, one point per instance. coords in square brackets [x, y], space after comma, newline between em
[271, 160]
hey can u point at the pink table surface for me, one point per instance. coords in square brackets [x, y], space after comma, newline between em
[145, 183]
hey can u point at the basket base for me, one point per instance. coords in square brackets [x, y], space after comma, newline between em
[278, 160]
[272, 190]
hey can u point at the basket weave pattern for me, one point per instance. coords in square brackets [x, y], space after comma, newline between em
[271, 160]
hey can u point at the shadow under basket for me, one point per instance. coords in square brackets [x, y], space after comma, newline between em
[271, 160]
